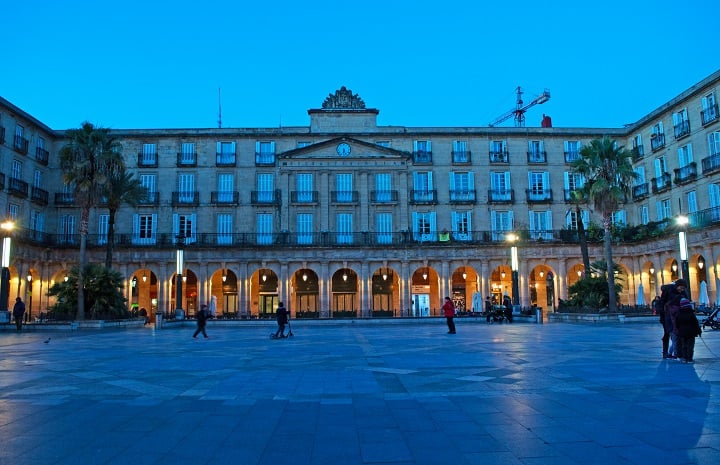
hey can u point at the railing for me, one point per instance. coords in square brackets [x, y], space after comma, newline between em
[501, 196]
[568, 194]
[2, 134]
[42, 156]
[186, 160]
[260, 198]
[638, 152]
[150, 198]
[186, 198]
[39, 196]
[571, 156]
[20, 145]
[462, 196]
[423, 196]
[499, 157]
[147, 160]
[709, 115]
[18, 187]
[711, 163]
[310, 197]
[537, 156]
[539, 195]
[641, 191]
[225, 159]
[390, 196]
[682, 129]
[686, 174]
[662, 183]
[422, 157]
[657, 141]
[225, 197]
[344, 196]
[462, 157]
[264, 158]
[64, 198]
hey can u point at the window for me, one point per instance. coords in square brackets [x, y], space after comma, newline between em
[501, 223]
[643, 214]
[462, 226]
[344, 187]
[149, 182]
[384, 228]
[619, 218]
[692, 202]
[16, 169]
[498, 151]
[383, 187]
[265, 188]
[681, 125]
[572, 221]
[572, 150]
[186, 188]
[344, 228]
[187, 153]
[500, 186]
[265, 152]
[660, 167]
[685, 155]
[37, 221]
[185, 226]
[304, 228]
[424, 226]
[657, 136]
[103, 228]
[709, 109]
[640, 175]
[541, 225]
[637, 142]
[423, 187]
[538, 186]
[225, 153]
[149, 154]
[536, 153]
[14, 211]
[663, 209]
[462, 187]
[144, 227]
[224, 229]
[714, 143]
[573, 182]
[264, 228]
[37, 179]
[226, 187]
[304, 186]
[714, 194]
[460, 152]
[67, 229]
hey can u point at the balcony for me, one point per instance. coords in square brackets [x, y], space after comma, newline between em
[423, 197]
[225, 159]
[344, 196]
[186, 198]
[709, 115]
[568, 195]
[711, 163]
[463, 196]
[657, 141]
[537, 156]
[39, 196]
[422, 157]
[686, 173]
[641, 191]
[18, 188]
[390, 196]
[682, 129]
[186, 160]
[42, 156]
[264, 158]
[463, 157]
[147, 160]
[306, 197]
[225, 198]
[264, 198]
[661, 184]
[64, 198]
[501, 196]
[20, 145]
[499, 157]
[638, 152]
[150, 199]
[572, 156]
[539, 195]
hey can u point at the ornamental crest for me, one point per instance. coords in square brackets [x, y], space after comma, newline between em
[343, 99]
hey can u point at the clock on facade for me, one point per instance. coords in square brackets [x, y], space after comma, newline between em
[343, 149]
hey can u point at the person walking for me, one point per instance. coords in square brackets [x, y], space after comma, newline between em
[202, 317]
[282, 319]
[19, 313]
[488, 309]
[449, 311]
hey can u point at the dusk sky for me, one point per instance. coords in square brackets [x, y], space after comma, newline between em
[147, 64]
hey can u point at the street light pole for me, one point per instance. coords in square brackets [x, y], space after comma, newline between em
[682, 239]
[179, 265]
[514, 265]
[7, 228]
[29, 293]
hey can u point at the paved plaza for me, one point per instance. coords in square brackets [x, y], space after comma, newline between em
[359, 393]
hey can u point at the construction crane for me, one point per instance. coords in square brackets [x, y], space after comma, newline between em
[519, 111]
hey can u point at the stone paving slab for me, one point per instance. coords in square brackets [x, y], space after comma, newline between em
[359, 394]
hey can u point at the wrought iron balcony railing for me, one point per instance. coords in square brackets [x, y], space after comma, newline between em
[42, 156]
[539, 195]
[537, 156]
[501, 196]
[711, 163]
[463, 196]
[225, 198]
[686, 173]
[185, 198]
[657, 141]
[709, 115]
[422, 157]
[662, 183]
[682, 129]
[461, 157]
[499, 157]
[423, 196]
[390, 196]
[309, 197]
[186, 159]
[641, 191]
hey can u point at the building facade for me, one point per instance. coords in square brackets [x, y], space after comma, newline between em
[345, 217]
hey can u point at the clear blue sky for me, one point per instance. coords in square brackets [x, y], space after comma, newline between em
[147, 64]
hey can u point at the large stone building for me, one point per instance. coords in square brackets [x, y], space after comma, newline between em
[344, 216]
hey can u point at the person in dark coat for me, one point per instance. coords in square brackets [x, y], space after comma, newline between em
[666, 308]
[687, 328]
[282, 319]
[508, 308]
[19, 313]
[488, 309]
[202, 317]
[449, 312]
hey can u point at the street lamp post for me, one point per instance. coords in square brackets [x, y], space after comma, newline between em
[514, 265]
[179, 265]
[682, 238]
[29, 293]
[7, 228]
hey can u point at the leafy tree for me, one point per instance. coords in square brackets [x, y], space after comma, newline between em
[122, 188]
[88, 161]
[608, 172]
[103, 293]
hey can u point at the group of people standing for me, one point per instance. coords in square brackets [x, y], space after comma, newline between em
[680, 325]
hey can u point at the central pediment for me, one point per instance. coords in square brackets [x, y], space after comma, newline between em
[344, 149]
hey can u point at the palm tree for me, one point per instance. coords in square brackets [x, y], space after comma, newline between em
[609, 174]
[577, 198]
[88, 161]
[122, 188]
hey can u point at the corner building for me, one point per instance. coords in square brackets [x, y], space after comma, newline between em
[347, 218]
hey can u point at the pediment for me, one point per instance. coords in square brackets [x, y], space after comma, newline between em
[344, 148]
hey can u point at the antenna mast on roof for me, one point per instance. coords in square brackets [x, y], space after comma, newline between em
[219, 110]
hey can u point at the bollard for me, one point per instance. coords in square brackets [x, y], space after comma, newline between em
[538, 316]
[158, 320]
